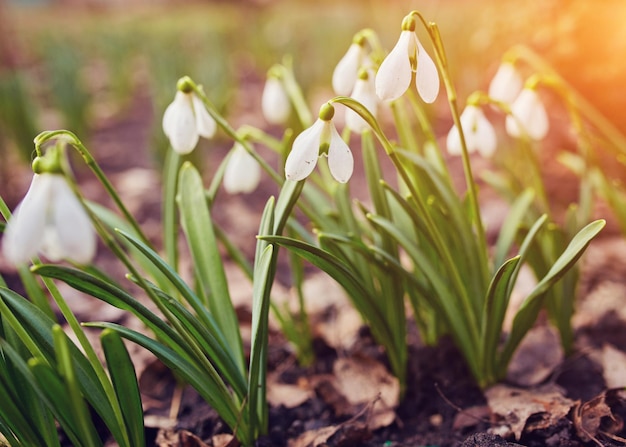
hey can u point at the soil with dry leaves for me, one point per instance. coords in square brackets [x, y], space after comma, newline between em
[347, 397]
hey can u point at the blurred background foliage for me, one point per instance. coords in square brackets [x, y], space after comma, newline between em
[81, 64]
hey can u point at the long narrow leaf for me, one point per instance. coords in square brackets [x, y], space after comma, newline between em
[198, 227]
[124, 381]
[527, 314]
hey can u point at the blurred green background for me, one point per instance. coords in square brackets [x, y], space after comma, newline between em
[86, 65]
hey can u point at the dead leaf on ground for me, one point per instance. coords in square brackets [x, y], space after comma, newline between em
[536, 358]
[287, 395]
[613, 366]
[183, 438]
[360, 385]
[313, 438]
[514, 406]
[595, 417]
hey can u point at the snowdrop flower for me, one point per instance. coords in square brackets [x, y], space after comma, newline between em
[365, 93]
[346, 71]
[506, 83]
[185, 120]
[321, 138]
[408, 56]
[528, 116]
[275, 102]
[49, 220]
[243, 173]
[478, 131]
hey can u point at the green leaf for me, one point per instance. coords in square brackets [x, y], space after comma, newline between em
[257, 385]
[70, 390]
[111, 294]
[198, 228]
[38, 328]
[181, 286]
[213, 390]
[55, 393]
[527, 314]
[510, 227]
[124, 381]
[497, 296]
[336, 269]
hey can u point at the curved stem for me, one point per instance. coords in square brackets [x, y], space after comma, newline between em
[73, 140]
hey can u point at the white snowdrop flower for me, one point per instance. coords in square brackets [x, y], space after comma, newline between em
[205, 124]
[346, 72]
[528, 116]
[49, 220]
[506, 83]
[321, 138]
[408, 56]
[365, 93]
[275, 102]
[185, 120]
[243, 172]
[480, 135]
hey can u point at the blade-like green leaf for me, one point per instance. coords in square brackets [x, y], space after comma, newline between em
[70, 391]
[527, 314]
[336, 269]
[111, 294]
[198, 228]
[213, 390]
[509, 228]
[39, 329]
[124, 381]
[263, 277]
[55, 392]
[181, 286]
[492, 324]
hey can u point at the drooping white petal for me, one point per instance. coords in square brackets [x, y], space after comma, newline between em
[528, 116]
[346, 71]
[24, 232]
[506, 83]
[426, 76]
[304, 152]
[484, 137]
[364, 92]
[179, 124]
[275, 102]
[394, 74]
[74, 237]
[453, 141]
[243, 173]
[205, 124]
[340, 160]
[479, 133]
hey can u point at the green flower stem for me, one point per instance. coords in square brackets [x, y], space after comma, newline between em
[442, 61]
[472, 317]
[73, 140]
[170, 229]
[295, 93]
[221, 122]
[118, 251]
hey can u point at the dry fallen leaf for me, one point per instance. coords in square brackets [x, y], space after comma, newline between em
[183, 438]
[614, 366]
[513, 406]
[287, 395]
[596, 417]
[313, 438]
[363, 380]
[536, 358]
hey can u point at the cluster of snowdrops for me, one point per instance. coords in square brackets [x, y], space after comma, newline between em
[417, 240]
